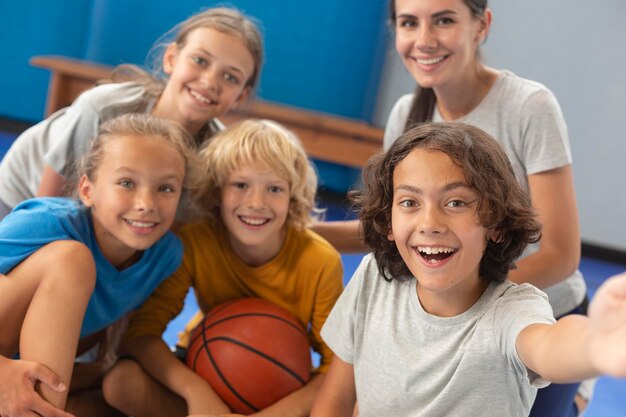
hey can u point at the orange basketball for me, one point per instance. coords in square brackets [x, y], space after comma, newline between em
[252, 352]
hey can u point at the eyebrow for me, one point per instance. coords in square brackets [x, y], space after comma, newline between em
[231, 67]
[448, 187]
[131, 171]
[433, 16]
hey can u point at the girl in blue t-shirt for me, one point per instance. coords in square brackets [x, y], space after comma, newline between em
[71, 268]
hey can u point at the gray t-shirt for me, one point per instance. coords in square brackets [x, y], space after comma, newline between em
[525, 118]
[63, 138]
[410, 363]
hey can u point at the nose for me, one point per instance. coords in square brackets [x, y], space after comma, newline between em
[210, 78]
[144, 200]
[431, 220]
[426, 40]
[255, 198]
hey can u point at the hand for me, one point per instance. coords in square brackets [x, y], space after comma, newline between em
[608, 334]
[18, 397]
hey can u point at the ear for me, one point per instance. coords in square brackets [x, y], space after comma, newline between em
[390, 236]
[85, 190]
[485, 25]
[169, 58]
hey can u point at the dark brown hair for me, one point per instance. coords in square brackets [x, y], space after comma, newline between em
[503, 205]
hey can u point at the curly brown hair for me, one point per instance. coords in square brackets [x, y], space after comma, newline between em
[503, 205]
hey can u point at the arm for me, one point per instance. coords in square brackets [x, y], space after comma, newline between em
[337, 395]
[18, 379]
[52, 184]
[553, 197]
[157, 360]
[577, 347]
[344, 235]
[298, 403]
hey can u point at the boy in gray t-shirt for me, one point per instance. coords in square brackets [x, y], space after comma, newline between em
[429, 325]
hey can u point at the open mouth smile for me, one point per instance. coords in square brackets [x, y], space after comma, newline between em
[435, 254]
[254, 221]
[201, 98]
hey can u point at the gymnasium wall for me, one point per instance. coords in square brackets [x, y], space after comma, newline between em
[578, 50]
[324, 55]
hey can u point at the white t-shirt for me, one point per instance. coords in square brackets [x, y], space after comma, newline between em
[526, 119]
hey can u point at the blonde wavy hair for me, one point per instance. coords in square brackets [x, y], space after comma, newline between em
[257, 143]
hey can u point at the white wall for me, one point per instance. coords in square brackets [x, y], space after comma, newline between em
[578, 49]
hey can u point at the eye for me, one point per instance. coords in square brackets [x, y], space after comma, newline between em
[167, 188]
[239, 185]
[456, 203]
[442, 21]
[125, 183]
[408, 203]
[406, 23]
[232, 79]
[275, 189]
[199, 60]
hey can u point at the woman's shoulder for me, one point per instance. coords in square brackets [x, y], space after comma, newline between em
[510, 84]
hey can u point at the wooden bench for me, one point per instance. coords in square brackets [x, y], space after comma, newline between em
[325, 137]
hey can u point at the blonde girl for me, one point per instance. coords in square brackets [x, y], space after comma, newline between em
[69, 268]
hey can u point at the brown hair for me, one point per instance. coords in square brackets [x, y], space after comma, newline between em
[503, 205]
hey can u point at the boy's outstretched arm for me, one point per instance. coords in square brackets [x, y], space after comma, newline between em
[337, 395]
[18, 397]
[579, 347]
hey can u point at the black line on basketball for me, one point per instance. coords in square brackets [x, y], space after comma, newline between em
[258, 352]
[221, 375]
[236, 316]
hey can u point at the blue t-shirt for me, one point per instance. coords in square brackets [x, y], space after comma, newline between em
[35, 223]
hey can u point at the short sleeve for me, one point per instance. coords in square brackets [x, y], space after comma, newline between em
[397, 119]
[31, 225]
[519, 307]
[340, 327]
[544, 136]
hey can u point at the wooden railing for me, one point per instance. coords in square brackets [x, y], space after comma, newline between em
[325, 137]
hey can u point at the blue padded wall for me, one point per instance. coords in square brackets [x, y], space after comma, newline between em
[36, 27]
[325, 55]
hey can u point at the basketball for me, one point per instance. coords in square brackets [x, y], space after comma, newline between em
[252, 352]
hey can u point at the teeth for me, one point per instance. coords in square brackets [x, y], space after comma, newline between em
[136, 223]
[430, 250]
[253, 222]
[200, 97]
[430, 61]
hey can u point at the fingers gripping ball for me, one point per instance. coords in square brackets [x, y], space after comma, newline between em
[252, 352]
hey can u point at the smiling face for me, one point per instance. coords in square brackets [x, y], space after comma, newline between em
[254, 207]
[208, 76]
[437, 230]
[438, 40]
[133, 196]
